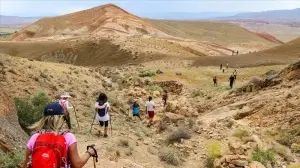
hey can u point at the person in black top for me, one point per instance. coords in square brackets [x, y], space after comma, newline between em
[231, 81]
[215, 81]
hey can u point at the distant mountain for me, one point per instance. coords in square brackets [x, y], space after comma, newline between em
[16, 21]
[186, 15]
[275, 16]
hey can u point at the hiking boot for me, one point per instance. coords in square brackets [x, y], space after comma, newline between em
[105, 135]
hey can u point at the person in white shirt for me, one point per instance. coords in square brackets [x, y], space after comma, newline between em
[102, 108]
[150, 106]
[64, 102]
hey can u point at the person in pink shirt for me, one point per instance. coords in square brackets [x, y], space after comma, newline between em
[51, 146]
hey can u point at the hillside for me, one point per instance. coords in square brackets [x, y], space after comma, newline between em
[283, 54]
[197, 111]
[97, 21]
[225, 34]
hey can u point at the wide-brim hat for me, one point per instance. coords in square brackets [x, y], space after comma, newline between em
[53, 109]
[65, 95]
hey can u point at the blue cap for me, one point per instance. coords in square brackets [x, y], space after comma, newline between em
[53, 109]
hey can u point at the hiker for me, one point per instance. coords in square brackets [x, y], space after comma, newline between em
[165, 97]
[231, 81]
[232, 52]
[215, 81]
[227, 65]
[136, 110]
[223, 70]
[64, 102]
[235, 74]
[51, 146]
[102, 108]
[221, 66]
[150, 110]
[237, 52]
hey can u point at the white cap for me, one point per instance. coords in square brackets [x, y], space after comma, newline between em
[65, 95]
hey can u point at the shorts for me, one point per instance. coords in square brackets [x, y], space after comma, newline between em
[137, 114]
[103, 123]
[151, 114]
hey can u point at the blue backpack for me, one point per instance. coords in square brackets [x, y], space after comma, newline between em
[136, 108]
[101, 112]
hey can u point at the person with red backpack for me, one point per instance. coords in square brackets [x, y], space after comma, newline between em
[64, 102]
[51, 146]
[102, 108]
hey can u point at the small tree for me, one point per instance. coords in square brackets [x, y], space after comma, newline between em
[31, 111]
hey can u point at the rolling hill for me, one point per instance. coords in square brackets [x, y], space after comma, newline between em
[88, 37]
[283, 54]
[16, 21]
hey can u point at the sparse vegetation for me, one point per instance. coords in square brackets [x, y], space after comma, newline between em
[123, 143]
[11, 159]
[61, 56]
[214, 150]
[191, 122]
[147, 73]
[31, 111]
[153, 88]
[170, 156]
[294, 165]
[282, 151]
[197, 93]
[240, 133]
[288, 137]
[162, 126]
[263, 156]
[177, 135]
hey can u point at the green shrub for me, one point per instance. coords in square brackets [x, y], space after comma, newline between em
[170, 156]
[11, 159]
[153, 88]
[147, 73]
[241, 133]
[31, 111]
[177, 135]
[214, 149]
[263, 156]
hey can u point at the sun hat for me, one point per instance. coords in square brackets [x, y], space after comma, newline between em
[53, 109]
[65, 95]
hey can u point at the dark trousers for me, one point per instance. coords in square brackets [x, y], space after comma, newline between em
[231, 84]
[68, 120]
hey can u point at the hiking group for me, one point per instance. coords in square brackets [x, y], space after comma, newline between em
[53, 146]
[232, 78]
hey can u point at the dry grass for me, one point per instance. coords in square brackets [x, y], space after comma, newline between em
[241, 133]
[170, 156]
[178, 134]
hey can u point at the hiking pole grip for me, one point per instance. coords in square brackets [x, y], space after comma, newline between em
[93, 147]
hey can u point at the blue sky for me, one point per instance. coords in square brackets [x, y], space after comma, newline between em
[141, 7]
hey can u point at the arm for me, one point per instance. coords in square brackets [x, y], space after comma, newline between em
[100, 107]
[26, 158]
[76, 160]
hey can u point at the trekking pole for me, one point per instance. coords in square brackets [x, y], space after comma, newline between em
[76, 117]
[110, 126]
[93, 122]
[94, 160]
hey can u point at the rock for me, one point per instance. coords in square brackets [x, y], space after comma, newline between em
[257, 141]
[217, 163]
[236, 148]
[243, 113]
[156, 93]
[295, 147]
[241, 163]
[255, 164]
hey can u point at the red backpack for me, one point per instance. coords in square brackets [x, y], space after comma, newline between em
[49, 151]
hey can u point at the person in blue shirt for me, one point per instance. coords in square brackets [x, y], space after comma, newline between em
[136, 110]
